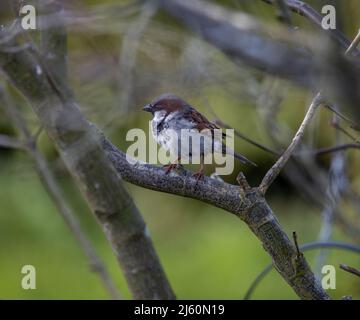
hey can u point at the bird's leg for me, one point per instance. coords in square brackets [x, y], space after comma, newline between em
[171, 166]
[200, 173]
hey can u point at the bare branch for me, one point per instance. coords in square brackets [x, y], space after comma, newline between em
[304, 9]
[247, 204]
[296, 243]
[327, 150]
[337, 126]
[281, 162]
[245, 138]
[350, 269]
[354, 44]
[220, 123]
[353, 125]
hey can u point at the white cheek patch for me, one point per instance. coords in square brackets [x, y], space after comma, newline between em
[158, 116]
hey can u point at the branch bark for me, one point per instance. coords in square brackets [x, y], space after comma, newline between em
[247, 204]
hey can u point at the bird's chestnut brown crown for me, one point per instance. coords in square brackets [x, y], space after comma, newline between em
[167, 101]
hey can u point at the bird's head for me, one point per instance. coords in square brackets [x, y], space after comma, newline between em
[166, 103]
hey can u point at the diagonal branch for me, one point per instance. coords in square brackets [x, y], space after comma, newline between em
[350, 269]
[341, 147]
[247, 204]
[246, 138]
[281, 162]
[305, 10]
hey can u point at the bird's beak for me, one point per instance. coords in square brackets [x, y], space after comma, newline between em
[147, 108]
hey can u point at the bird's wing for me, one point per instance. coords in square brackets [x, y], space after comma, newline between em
[200, 121]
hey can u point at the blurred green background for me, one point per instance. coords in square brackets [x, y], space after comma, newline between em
[206, 252]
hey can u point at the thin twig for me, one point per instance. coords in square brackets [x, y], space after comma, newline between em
[281, 162]
[350, 269]
[221, 123]
[353, 44]
[279, 165]
[245, 138]
[338, 127]
[345, 146]
[296, 243]
[353, 125]
[243, 182]
[304, 9]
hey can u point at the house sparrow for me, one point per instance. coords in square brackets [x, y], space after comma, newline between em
[171, 114]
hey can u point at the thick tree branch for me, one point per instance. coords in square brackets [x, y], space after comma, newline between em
[81, 150]
[247, 204]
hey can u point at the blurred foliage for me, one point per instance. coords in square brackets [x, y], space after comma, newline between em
[206, 253]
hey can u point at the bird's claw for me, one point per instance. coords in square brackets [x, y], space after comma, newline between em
[199, 175]
[170, 167]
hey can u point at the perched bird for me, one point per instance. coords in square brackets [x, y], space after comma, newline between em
[171, 115]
